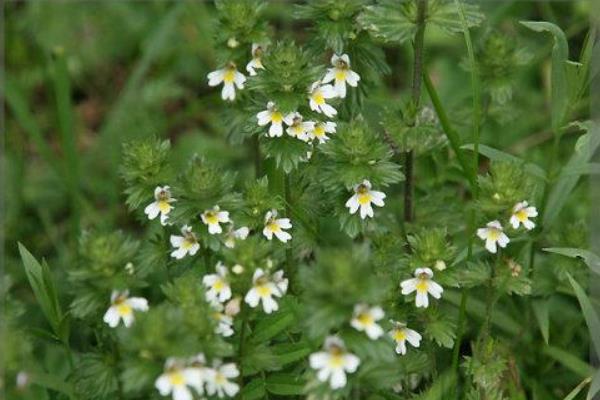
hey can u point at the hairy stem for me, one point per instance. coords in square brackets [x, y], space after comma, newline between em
[417, 78]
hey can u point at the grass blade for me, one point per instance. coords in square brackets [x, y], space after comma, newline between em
[589, 258]
[591, 317]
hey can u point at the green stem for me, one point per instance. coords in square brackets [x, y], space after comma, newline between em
[459, 333]
[243, 313]
[451, 134]
[476, 90]
[417, 78]
[288, 213]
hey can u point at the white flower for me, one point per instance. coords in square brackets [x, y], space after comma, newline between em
[520, 215]
[363, 197]
[264, 287]
[440, 265]
[235, 234]
[493, 234]
[218, 380]
[275, 226]
[230, 77]
[219, 290]
[365, 319]
[320, 131]
[401, 334]
[224, 321]
[341, 73]
[318, 94]
[161, 205]
[423, 285]
[122, 308]
[213, 218]
[271, 116]
[177, 380]
[297, 127]
[185, 244]
[256, 62]
[232, 308]
[333, 363]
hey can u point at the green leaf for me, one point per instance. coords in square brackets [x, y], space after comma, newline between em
[560, 54]
[441, 388]
[591, 317]
[540, 310]
[290, 352]
[577, 389]
[497, 155]
[389, 21]
[41, 282]
[272, 325]
[567, 359]
[590, 259]
[254, 390]
[585, 148]
[52, 382]
[594, 386]
[285, 384]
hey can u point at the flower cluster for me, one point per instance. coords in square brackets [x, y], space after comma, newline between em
[493, 233]
[181, 377]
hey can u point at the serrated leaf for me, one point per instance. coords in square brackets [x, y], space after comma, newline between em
[590, 259]
[254, 390]
[273, 325]
[290, 352]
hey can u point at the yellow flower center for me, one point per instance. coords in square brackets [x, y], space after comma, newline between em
[164, 206]
[364, 198]
[187, 244]
[337, 357]
[276, 117]
[493, 234]
[340, 74]
[263, 290]
[124, 309]
[319, 131]
[365, 319]
[176, 378]
[220, 379]
[521, 215]
[211, 218]
[399, 335]
[422, 285]
[273, 226]
[219, 285]
[318, 97]
[229, 75]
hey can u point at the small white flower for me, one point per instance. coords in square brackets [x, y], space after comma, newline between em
[219, 290]
[275, 226]
[271, 116]
[363, 197]
[177, 380]
[320, 131]
[232, 308]
[22, 380]
[440, 265]
[224, 321]
[161, 205]
[401, 334]
[520, 215]
[365, 320]
[237, 269]
[318, 94]
[264, 287]
[232, 43]
[213, 218]
[122, 307]
[230, 77]
[185, 244]
[333, 363]
[256, 62]
[235, 234]
[297, 127]
[493, 234]
[423, 285]
[218, 380]
[341, 74]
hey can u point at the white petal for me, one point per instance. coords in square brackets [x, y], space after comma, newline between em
[268, 233]
[283, 236]
[514, 221]
[528, 224]
[194, 249]
[276, 130]
[352, 78]
[366, 210]
[318, 360]
[328, 110]
[163, 385]
[111, 317]
[230, 370]
[374, 331]
[269, 304]
[503, 240]
[179, 253]
[340, 88]
[409, 286]
[239, 79]
[329, 76]
[422, 300]
[338, 379]
[228, 92]
[413, 337]
[152, 210]
[435, 289]
[482, 233]
[231, 388]
[182, 393]
[215, 77]
[128, 319]
[138, 303]
[176, 241]
[353, 203]
[284, 223]
[328, 91]
[214, 229]
[263, 117]
[351, 362]
[242, 233]
[401, 347]
[252, 298]
[223, 216]
[490, 245]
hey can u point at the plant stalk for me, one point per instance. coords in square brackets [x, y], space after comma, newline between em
[417, 78]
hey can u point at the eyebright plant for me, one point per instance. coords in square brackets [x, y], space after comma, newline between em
[375, 250]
